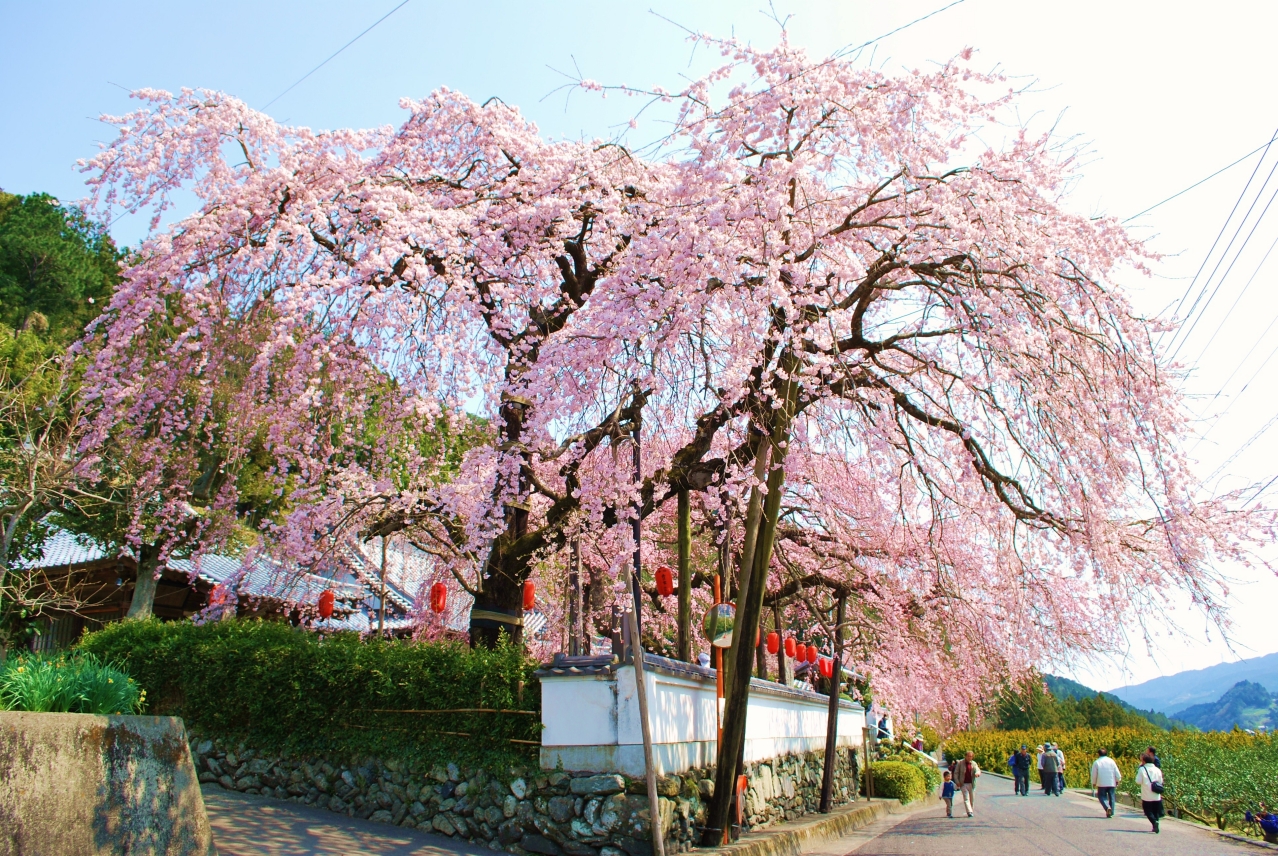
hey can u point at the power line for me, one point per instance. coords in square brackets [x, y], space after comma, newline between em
[1242, 448]
[1237, 231]
[1221, 234]
[845, 51]
[841, 52]
[1200, 181]
[1232, 307]
[1246, 385]
[335, 53]
[1225, 275]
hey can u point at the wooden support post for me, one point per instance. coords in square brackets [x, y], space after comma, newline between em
[832, 722]
[650, 767]
[785, 669]
[575, 624]
[685, 577]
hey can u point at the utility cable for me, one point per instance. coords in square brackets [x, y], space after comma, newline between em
[1206, 283]
[1200, 181]
[1224, 277]
[1216, 421]
[1234, 306]
[1223, 227]
[335, 53]
[1242, 448]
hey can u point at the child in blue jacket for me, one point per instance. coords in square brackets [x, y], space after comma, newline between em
[947, 794]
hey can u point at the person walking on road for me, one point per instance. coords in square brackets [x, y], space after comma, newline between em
[1060, 769]
[1051, 763]
[1150, 779]
[1105, 777]
[1042, 780]
[966, 772]
[947, 794]
[1020, 764]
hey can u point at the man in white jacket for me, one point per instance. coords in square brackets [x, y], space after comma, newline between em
[1105, 778]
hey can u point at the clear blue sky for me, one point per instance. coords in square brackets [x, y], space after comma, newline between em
[1163, 92]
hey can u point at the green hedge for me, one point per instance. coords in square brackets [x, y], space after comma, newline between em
[280, 688]
[898, 780]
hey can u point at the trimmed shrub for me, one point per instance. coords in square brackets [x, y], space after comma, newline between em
[898, 780]
[931, 774]
[284, 689]
[76, 683]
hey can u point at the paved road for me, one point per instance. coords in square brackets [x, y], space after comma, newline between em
[1008, 825]
[245, 825]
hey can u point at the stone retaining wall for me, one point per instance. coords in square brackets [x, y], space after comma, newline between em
[75, 784]
[526, 810]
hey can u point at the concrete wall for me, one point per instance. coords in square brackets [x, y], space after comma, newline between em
[73, 784]
[591, 720]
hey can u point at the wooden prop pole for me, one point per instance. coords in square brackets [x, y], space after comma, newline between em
[832, 722]
[650, 767]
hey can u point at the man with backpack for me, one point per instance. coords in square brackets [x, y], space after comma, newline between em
[1051, 765]
[1150, 779]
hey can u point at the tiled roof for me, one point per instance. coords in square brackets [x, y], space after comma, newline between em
[407, 568]
[63, 548]
[267, 579]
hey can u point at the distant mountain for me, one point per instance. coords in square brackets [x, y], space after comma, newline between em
[1173, 693]
[1245, 705]
[1065, 688]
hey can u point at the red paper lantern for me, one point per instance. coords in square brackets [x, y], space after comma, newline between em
[774, 642]
[791, 647]
[530, 595]
[665, 581]
[812, 653]
[327, 600]
[438, 597]
[826, 665]
[758, 637]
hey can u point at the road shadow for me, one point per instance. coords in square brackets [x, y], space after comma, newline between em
[244, 825]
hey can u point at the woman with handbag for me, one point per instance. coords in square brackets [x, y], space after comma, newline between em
[1150, 779]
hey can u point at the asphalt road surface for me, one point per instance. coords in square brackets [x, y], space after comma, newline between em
[245, 825]
[1008, 825]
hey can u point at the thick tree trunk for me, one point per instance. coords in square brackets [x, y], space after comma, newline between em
[749, 611]
[499, 607]
[685, 577]
[144, 589]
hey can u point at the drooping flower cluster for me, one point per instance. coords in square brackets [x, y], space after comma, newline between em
[980, 452]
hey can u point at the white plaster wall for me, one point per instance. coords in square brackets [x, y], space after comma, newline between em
[591, 722]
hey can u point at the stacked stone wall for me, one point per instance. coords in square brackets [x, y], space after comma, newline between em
[523, 810]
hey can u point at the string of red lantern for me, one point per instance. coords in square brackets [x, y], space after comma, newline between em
[327, 600]
[530, 595]
[665, 581]
[438, 597]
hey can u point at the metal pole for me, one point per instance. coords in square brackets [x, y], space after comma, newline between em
[718, 673]
[650, 767]
[832, 723]
[635, 525]
[381, 607]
